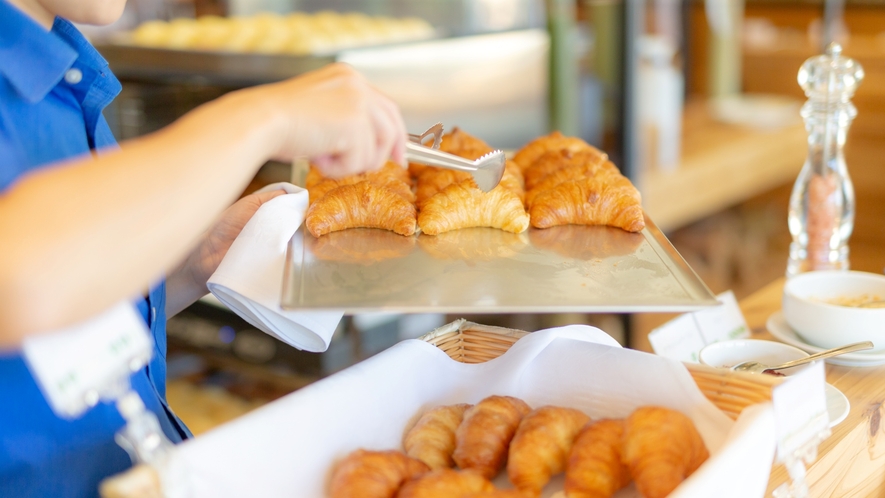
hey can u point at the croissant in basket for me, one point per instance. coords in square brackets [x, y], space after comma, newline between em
[611, 200]
[541, 446]
[432, 438]
[555, 141]
[483, 438]
[594, 468]
[445, 483]
[373, 474]
[661, 447]
[361, 205]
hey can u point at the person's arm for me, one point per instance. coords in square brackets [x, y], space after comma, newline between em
[82, 235]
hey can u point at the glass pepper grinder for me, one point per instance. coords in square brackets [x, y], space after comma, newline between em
[821, 214]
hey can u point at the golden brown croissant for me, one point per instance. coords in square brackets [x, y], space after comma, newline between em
[602, 171]
[364, 246]
[499, 493]
[373, 474]
[608, 200]
[459, 142]
[550, 162]
[445, 483]
[363, 204]
[526, 156]
[483, 437]
[661, 447]
[594, 467]
[432, 439]
[541, 445]
[432, 180]
[462, 205]
[391, 175]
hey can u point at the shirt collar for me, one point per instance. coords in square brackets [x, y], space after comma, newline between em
[34, 60]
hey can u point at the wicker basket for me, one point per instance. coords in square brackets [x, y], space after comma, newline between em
[731, 392]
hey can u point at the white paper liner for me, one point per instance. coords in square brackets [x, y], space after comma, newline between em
[287, 448]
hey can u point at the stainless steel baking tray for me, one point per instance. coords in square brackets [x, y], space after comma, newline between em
[484, 270]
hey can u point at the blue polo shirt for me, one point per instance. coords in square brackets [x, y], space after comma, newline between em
[53, 88]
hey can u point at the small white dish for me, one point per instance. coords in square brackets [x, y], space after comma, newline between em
[837, 405]
[779, 328]
[726, 354]
[823, 308]
[730, 353]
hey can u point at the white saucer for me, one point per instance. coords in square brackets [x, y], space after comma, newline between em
[782, 331]
[837, 405]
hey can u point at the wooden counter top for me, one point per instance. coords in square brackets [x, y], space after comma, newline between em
[851, 462]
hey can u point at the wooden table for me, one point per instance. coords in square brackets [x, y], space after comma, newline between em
[851, 462]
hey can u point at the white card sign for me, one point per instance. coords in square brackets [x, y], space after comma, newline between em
[800, 410]
[76, 366]
[683, 337]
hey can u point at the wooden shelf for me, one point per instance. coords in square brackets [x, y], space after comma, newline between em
[722, 165]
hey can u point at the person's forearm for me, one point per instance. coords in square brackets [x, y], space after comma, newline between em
[95, 221]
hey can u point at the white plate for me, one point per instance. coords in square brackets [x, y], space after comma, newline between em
[837, 405]
[781, 330]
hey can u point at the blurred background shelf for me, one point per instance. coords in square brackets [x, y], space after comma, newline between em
[722, 165]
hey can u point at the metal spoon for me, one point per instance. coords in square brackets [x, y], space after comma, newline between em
[756, 367]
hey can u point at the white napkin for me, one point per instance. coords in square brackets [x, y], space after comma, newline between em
[249, 278]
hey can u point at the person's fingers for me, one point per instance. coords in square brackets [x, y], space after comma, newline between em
[395, 141]
[384, 136]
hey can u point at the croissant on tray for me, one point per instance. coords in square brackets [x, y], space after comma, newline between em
[555, 141]
[361, 205]
[555, 160]
[373, 474]
[541, 446]
[610, 200]
[391, 175]
[594, 468]
[483, 438]
[445, 483]
[661, 447]
[432, 438]
[463, 205]
[604, 170]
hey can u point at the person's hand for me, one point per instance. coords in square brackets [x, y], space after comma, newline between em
[188, 282]
[336, 119]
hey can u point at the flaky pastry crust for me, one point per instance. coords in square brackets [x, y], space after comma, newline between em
[541, 446]
[361, 205]
[373, 474]
[661, 447]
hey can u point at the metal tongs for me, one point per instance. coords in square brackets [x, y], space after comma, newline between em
[486, 171]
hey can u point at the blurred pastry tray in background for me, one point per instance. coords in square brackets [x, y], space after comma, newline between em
[561, 269]
[245, 50]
